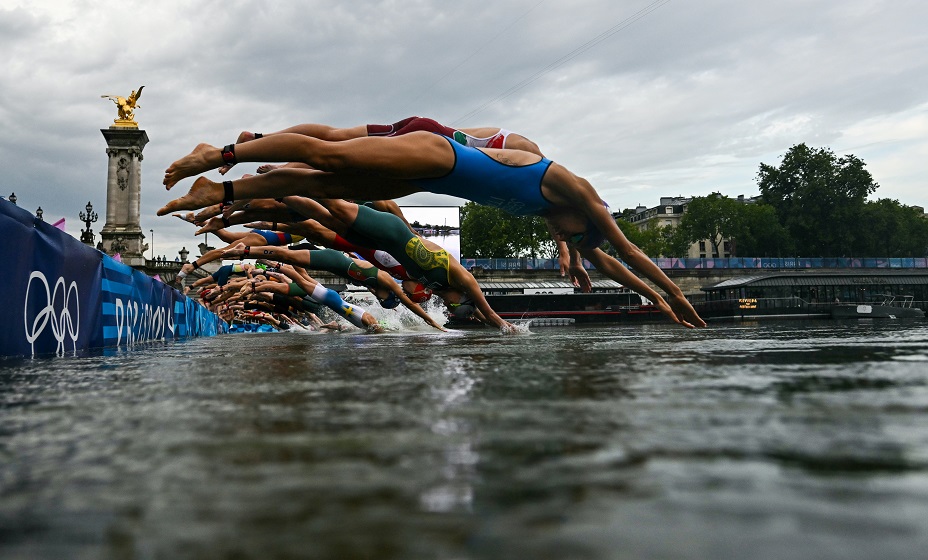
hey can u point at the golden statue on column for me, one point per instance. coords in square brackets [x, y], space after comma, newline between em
[126, 107]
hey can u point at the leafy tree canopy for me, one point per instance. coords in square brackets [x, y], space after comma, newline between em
[488, 232]
[819, 198]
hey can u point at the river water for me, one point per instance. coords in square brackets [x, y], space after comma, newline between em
[766, 440]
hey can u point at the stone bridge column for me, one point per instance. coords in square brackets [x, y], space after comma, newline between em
[122, 232]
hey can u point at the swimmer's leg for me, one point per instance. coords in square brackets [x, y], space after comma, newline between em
[357, 316]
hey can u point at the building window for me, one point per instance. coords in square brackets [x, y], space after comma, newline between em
[727, 246]
[702, 246]
[702, 255]
[668, 210]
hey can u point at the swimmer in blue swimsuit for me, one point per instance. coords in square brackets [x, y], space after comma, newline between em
[373, 168]
[253, 237]
[223, 273]
[569, 261]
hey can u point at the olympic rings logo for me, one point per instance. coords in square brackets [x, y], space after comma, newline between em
[63, 325]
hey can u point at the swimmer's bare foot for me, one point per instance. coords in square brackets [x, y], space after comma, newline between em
[229, 209]
[188, 217]
[234, 252]
[202, 193]
[259, 225]
[277, 276]
[243, 137]
[268, 167]
[211, 225]
[202, 159]
[208, 213]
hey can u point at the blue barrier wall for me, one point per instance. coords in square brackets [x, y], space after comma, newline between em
[60, 296]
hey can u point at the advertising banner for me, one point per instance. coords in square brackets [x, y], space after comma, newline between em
[61, 297]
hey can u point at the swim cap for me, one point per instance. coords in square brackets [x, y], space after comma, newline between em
[419, 293]
[390, 301]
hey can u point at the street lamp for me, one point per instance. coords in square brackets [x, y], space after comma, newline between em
[88, 218]
[12, 198]
[38, 214]
[152, 243]
[183, 254]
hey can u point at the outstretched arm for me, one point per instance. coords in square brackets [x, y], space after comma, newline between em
[464, 281]
[586, 199]
[635, 257]
[615, 270]
[386, 280]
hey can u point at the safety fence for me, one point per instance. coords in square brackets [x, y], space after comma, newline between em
[62, 297]
[759, 263]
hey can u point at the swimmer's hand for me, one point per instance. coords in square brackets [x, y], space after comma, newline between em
[580, 278]
[684, 313]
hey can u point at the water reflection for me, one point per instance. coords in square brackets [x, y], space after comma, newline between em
[452, 393]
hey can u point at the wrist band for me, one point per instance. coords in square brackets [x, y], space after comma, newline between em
[196, 264]
[228, 155]
[247, 251]
[228, 196]
[258, 135]
[181, 275]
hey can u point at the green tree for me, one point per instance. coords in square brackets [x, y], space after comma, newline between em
[488, 232]
[714, 217]
[657, 241]
[676, 242]
[819, 198]
[760, 234]
[892, 230]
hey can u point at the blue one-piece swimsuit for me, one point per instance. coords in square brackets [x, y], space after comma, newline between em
[478, 177]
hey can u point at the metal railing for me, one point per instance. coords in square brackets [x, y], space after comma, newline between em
[758, 263]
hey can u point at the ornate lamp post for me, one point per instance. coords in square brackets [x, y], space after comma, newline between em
[38, 213]
[183, 254]
[12, 198]
[88, 218]
[152, 232]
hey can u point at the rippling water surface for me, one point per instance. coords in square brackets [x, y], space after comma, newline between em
[755, 440]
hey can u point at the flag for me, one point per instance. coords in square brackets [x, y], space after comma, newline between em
[59, 224]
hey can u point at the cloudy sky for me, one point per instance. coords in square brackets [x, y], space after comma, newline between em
[644, 98]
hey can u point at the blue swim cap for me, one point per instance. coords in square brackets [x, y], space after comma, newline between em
[390, 301]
